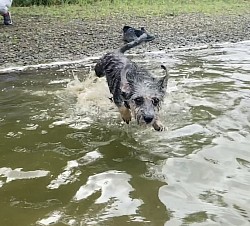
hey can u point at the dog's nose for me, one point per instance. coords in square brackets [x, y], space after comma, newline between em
[148, 118]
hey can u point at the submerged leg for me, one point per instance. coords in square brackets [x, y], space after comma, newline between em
[125, 113]
[158, 125]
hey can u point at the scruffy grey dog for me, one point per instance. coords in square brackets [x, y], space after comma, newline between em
[134, 89]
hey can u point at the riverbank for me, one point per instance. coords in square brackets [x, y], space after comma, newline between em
[43, 38]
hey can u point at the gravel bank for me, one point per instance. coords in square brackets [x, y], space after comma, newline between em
[37, 39]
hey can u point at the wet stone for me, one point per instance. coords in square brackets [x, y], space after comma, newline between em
[51, 38]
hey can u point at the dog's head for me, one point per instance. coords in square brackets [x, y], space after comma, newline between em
[144, 97]
[125, 28]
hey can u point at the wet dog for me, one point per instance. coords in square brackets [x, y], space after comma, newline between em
[130, 34]
[134, 89]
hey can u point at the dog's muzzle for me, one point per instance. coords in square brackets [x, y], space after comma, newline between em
[148, 118]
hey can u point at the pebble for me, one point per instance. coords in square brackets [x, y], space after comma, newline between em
[52, 38]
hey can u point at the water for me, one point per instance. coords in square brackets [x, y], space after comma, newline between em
[66, 158]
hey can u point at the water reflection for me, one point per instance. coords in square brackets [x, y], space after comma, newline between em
[66, 158]
[211, 185]
[212, 181]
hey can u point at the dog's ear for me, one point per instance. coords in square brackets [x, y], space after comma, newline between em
[162, 82]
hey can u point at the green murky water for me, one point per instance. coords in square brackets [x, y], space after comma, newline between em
[66, 158]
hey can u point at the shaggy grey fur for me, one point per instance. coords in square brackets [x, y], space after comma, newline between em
[134, 89]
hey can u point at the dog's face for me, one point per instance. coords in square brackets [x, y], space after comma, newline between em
[145, 109]
[145, 100]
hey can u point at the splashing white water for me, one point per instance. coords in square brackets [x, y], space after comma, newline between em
[90, 102]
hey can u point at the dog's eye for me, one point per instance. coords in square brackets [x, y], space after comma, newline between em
[138, 101]
[155, 101]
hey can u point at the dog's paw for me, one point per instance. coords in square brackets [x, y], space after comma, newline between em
[158, 126]
[126, 120]
[125, 114]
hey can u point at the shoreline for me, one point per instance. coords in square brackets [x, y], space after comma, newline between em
[34, 40]
[80, 62]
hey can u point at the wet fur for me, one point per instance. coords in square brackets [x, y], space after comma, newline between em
[134, 89]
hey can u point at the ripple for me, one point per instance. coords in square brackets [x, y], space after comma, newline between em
[98, 171]
[18, 174]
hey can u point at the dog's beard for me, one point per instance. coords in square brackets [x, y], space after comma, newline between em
[139, 119]
[139, 116]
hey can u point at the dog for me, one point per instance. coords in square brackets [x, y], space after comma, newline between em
[135, 91]
[130, 34]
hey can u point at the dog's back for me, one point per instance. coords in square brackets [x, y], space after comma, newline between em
[113, 60]
[109, 62]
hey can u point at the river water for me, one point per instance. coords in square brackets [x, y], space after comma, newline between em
[66, 158]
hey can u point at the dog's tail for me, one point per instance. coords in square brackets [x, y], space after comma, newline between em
[134, 43]
[99, 67]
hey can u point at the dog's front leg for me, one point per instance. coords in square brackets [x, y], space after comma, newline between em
[158, 125]
[125, 113]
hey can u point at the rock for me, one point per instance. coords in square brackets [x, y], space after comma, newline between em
[53, 38]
